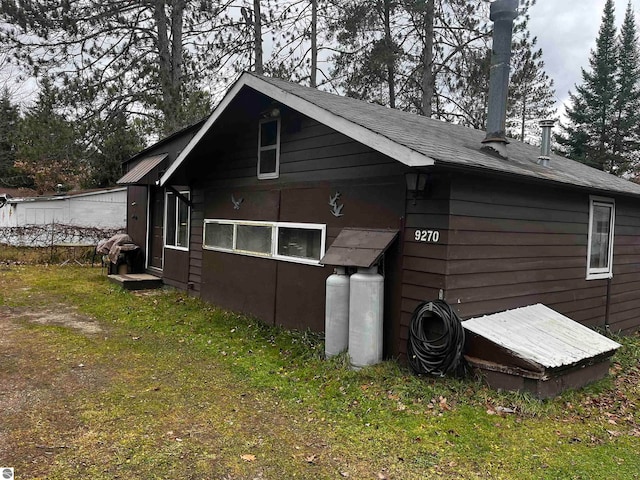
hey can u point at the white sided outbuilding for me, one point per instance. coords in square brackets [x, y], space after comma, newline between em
[82, 211]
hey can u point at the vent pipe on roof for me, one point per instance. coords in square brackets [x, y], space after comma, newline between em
[502, 13]
[545, 144]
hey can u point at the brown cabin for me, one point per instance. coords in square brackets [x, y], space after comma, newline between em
[240, 209]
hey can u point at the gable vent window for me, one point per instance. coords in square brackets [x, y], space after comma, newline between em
[269, 148]
[601, 228]
[291, 242]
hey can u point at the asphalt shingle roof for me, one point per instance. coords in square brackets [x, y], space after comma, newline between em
[454, 145]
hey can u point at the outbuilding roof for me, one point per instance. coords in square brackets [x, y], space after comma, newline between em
[141, 169]
[65, 195]
[411, 139]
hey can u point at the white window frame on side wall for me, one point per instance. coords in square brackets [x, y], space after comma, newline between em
[275, 230]
[276, 147]
[595, 273]
[168, 195]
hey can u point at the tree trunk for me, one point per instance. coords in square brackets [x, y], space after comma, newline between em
[257, 29]
[391, 81]
[523, 117]
[167, 103]
[314, 44]
[177, 22]
[428, 74]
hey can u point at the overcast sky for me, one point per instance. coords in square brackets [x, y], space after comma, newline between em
[566, 31]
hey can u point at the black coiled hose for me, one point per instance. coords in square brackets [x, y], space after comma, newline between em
[437, 354]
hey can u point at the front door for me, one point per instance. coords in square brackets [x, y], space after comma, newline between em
[156, 228]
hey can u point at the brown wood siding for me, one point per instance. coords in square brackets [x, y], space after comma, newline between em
[240, 283]
[288, 293]
[624, 308]
[195, 242]
[309, 151]
[423, 264]
[315, 163]
[512, 244]
[300, 299]
[176, 268]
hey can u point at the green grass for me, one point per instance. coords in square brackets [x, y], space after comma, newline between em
[174, 384]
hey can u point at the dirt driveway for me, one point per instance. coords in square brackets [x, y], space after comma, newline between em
[77, 400]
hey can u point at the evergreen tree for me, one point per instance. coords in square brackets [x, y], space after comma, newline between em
[441, 39]
[48, 148]
[588, 137]
[625, 142]
[531, 94]
[9, 118]
[367, 65]
[114, 142]
[465, 96]
[114, 55]
[300, 32]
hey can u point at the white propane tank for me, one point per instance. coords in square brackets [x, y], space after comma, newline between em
[366, 307]
[336, 319]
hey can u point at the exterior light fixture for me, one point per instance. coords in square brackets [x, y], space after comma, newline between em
[417, 183]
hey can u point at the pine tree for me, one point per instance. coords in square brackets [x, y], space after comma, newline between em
[299, 33]
[531, 93]
[114, 55]
[367, 66]
[441, 38]
[48, 148]
[626, 139]
[9, 118]
[115, 141]
[592, 114]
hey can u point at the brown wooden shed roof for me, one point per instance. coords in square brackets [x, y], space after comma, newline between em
[138, 173]
[359, 247]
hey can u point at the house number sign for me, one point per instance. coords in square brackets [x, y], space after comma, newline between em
[427, 236]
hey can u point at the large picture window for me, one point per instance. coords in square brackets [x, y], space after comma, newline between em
[293, 242]
[176, 221]
[269, 148]
[601, 227]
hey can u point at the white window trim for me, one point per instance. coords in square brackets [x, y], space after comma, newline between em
[276, 147]
[275, 229]
[187, 194]
[601, 273]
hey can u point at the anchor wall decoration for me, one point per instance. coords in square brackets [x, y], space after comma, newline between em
[336, 209]
[236, 203]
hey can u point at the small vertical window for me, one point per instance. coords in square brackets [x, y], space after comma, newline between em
[177, 221]
[601, 229]
[269, 148]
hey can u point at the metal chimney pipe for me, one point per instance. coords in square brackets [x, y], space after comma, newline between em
[502, 13]
[545, 144]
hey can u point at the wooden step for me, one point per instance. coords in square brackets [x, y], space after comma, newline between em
[136, 281]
